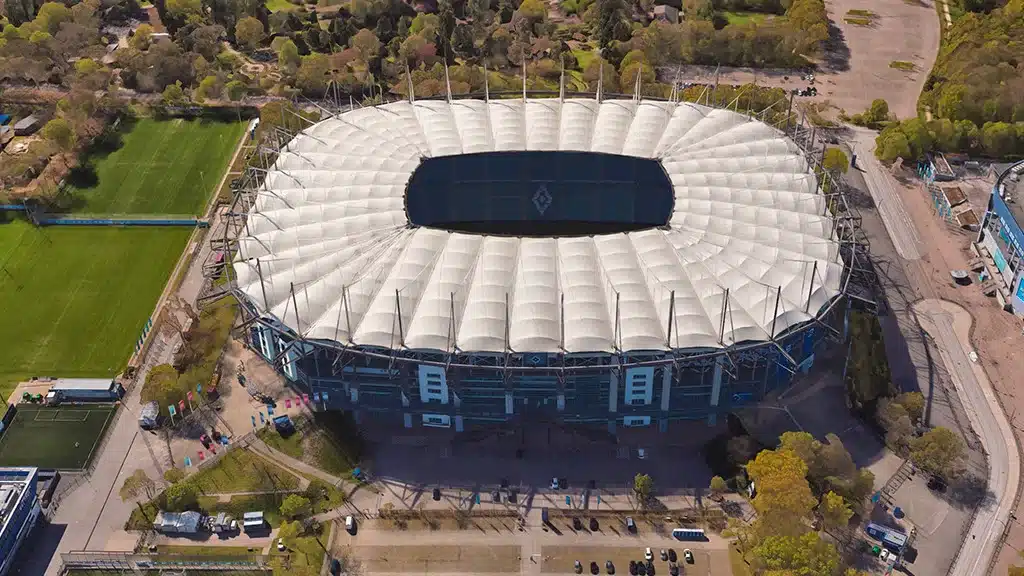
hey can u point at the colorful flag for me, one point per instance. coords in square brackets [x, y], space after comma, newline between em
[270, 410]
[287, 403]
[181, 405]
[189, 395]
[305, 398]
[171, 410]
[262, 419]
[324, 395]
[316, 396]
[201, 455]
[199, 388]
[188, 462]
[253, 421]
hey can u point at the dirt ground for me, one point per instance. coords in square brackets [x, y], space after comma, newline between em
[856, 68]
[560, 559]
[439, 559]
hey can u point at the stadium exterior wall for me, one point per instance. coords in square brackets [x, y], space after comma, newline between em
[414, 390]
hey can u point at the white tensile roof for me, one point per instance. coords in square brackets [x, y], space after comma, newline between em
[332, 239]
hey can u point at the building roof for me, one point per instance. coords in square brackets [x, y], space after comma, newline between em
[25, 122]
[339, 260]
[13, 487]
[82, 384]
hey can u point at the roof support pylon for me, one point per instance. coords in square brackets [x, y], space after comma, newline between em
[295, 304]
[600, 79]
[671, 317]
[673, 97]
[561, 82]
[524, 80]
[263, 287]
[348, 315]
[447, 82]
[775, 315]
[810, 290]
[721, 324]
[636, 87]
[412, 92]
[487, 92]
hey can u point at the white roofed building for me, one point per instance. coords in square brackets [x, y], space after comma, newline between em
[459, 262]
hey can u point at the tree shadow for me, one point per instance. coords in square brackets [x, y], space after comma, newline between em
[837, 53]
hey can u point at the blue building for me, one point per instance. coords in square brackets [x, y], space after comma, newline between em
[19, 510]
[1003, 238]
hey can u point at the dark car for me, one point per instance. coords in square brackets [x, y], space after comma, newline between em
[577, 524]
[650, 568]
[206, 441]
[437, 494]
[672, 555]
[578, 567]
[632, 568]
[673, 569]
[641, 569]
[609, 567]
[496, 496]
[594, 526]
[335, 567]
[594, 568]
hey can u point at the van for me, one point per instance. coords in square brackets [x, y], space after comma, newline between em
[630, 525]
[350, 524]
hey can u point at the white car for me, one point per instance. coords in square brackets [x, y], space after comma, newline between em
[883, 555]
[280, 545]
[648, 554]
[350, 524]
[554, 483]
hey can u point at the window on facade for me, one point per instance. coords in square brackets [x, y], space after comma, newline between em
[287, 362]
[639, 386]
[433, 384]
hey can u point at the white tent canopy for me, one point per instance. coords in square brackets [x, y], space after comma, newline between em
[748, 253]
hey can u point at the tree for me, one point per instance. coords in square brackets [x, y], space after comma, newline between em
[939, 451]
[533, 10]
[643, 488]
[235, 90]
[249, 32]
[173, 475]
[142, 37]
[998, 138]
[295, 506]
[210, 87]
[877, 112]
[834, 511]
[289, 531]
[895, 420]
[803, 555]
[784, 498]
[367, 43]
[50, 16]
[59, 132]
[612, 21]
[184, 9]
[313, 74]
[180, 496]
[836, 161]
[173, 95]
[892, 144]
[913, 403]
[288, 56]
[137, 485]
[718, 486]
[425, 25]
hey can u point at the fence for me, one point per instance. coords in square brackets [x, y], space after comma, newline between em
[15, 207]
[202, 223]
[98, 560]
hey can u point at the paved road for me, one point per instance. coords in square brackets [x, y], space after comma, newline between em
[897, 221]
[950, 325]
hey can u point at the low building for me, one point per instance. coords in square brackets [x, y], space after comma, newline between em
[177, 522]
[19, 510]
[27, 126]
[149, 416]
[253, 521]
[668, 14]
[1002, 237]
[84, 390]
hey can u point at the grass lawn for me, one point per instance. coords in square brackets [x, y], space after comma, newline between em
[203, 550]
[583, 57]
[744, 17]
[331, 445]
[75, 299]
[53, 437]
[242, 471]
[280, 5]
[159, 167]
[305, 556]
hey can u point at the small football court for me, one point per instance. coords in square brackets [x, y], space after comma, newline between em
[54, 437]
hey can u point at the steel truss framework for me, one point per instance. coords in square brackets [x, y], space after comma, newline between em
[856, 284]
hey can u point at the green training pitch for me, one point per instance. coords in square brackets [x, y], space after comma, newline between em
[159, 167]
[75, 299]
[54, 437]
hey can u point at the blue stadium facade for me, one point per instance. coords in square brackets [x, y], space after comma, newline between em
[19, 510]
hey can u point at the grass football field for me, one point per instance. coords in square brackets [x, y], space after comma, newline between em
[54, 437]
[161, 167]
[75, 299]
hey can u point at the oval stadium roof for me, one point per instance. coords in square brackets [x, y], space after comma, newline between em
[340, 261]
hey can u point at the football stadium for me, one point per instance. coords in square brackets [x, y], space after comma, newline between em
[614, 262]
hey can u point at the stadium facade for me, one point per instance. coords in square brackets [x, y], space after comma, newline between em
[460, 263]
[19, 510]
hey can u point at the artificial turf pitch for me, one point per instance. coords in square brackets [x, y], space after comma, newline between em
[162, 167]
[75, 299]
[61, 437]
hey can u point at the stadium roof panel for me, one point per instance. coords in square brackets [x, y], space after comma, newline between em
[330, 227]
